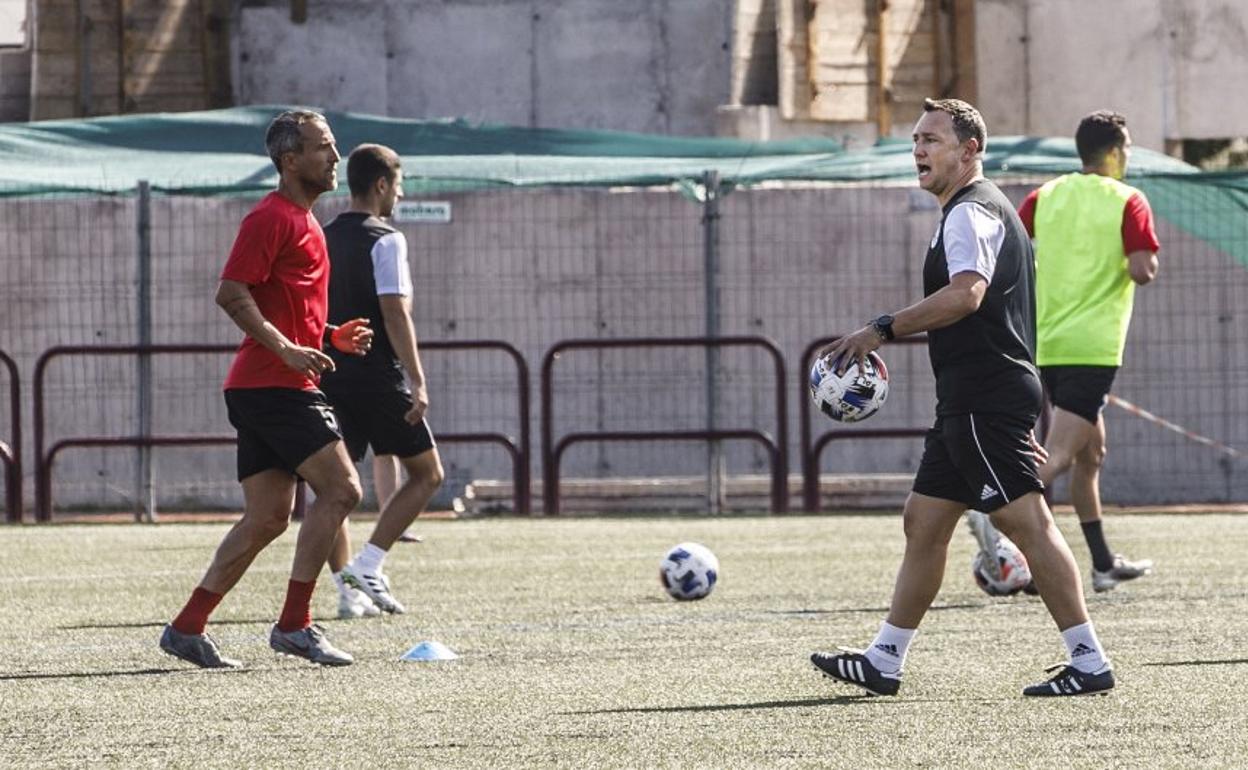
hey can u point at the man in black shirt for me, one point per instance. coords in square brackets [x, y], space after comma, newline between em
[369, 278]
[979, 313]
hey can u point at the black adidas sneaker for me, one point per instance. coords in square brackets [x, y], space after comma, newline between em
[852, 667]
[1071, 681]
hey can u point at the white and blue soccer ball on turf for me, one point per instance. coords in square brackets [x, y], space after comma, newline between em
[852, 395]
[689, 571]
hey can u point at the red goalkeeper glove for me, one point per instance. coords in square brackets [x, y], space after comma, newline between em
[353, 337]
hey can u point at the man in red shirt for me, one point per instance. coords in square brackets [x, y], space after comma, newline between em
[274, 287]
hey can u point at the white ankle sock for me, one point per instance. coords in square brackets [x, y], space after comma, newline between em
[343, 588]
[888, 650]
[1086, 653]
[369, 560]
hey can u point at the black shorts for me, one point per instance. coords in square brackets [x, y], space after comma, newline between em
[376, 420]
[1081, 390]
[279, 427]
[982, 460]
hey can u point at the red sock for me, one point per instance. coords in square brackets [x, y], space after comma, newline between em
[297, 612]
[194, 616]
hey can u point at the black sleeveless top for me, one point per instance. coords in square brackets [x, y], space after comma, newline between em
[986, 361]
[353, 294]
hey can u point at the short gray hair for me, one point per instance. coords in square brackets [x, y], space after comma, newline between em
[283, 135]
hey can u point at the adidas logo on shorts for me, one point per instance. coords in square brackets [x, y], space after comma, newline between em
[987, 493]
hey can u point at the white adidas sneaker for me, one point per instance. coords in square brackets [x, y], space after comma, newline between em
[375, 586]
[353, 603]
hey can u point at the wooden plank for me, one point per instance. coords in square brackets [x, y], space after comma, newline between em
[871, 61]
[104, 60]
[167, 103]
[754, 53]
[55, 35]
[49, 107]
[59, 66]
[165, 57]
[965, 81]
[883, 110]
[141, 9]
[837, 102]
[147, 64]
[215, 52]
[136, 86]
[792, 45]
[184, 39]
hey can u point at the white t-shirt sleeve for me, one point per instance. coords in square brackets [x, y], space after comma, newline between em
[390, 270]
[973, 238]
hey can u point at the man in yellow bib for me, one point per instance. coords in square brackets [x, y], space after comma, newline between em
[1095, 242]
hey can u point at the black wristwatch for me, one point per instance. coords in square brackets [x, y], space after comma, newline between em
[884, 327]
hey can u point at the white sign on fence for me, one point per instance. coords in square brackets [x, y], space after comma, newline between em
[430, 212]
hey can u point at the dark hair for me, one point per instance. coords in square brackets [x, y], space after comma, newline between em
[283, 135]
[1099, 133]
[368, 163]
[967, 122]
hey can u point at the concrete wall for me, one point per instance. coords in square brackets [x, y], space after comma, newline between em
[645, 65]
[536, 266]
[1173, 67]
[14, 84]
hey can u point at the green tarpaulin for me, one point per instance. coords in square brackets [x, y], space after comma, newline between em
[222, 152]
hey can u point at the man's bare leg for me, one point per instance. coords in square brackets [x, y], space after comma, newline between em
[424, 476]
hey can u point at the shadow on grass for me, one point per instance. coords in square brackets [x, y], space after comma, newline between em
[873, 610]
[158, 624]
[1226, 662]
[95, 674]
[838, 700]
[770, 704]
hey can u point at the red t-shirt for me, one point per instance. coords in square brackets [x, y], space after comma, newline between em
[280, 253]
[1138, 232]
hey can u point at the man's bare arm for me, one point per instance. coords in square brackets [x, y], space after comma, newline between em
[1142, 266]
[945, 307]
[234, 297]
[396, 316]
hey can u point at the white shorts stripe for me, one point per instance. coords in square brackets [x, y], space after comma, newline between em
[984, 457]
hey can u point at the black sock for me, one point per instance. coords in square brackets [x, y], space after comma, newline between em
[1102, 559]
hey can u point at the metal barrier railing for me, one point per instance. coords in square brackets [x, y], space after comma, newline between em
[520, 453]
[44, 458]
[11, 452]
[552, 453]
[812, 448]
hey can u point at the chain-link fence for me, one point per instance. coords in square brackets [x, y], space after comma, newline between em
[533, 266]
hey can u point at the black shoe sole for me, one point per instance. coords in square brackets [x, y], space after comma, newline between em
[1067, 695]
[193, 662]
[859, 685]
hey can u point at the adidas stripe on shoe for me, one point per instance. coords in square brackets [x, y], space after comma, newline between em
[852, 667]
[1070, 681]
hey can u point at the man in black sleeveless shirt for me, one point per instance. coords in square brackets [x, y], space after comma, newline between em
[370, 278]
[979, 313]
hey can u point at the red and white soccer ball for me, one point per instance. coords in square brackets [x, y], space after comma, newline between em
[852, 395]
[1013, 574]
[689, 571]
